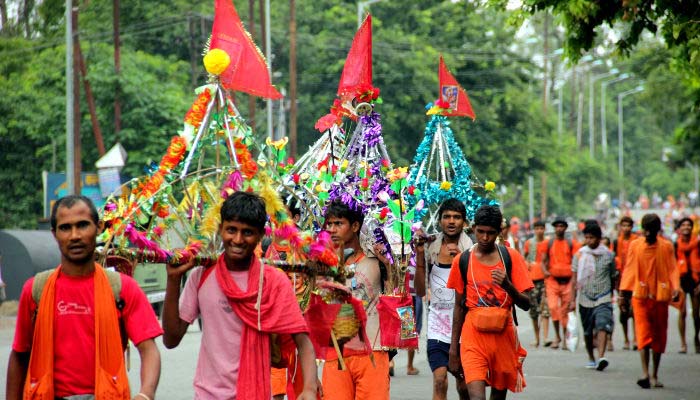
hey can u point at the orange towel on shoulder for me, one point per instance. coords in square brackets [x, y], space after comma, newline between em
[111, 381]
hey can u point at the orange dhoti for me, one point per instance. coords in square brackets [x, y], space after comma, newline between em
[361, 379]
[650, 323]
[558, 299]
[495, 358]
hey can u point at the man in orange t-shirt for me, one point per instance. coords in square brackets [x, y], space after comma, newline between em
[557, 272]
[651, 280]
[688, 257]
[534, 250]
[484, 349]
[620, 248]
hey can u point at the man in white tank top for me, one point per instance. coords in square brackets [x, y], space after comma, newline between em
[438, 259]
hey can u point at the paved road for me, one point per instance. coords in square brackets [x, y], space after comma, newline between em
[550, 374]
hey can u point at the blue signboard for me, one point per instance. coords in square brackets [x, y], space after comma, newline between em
[55, 187]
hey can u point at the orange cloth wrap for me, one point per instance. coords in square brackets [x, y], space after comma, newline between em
[361, 380]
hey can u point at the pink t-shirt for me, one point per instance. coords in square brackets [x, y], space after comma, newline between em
[74, 328]
[216, 376]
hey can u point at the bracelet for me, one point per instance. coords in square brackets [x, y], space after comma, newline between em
[143, 395]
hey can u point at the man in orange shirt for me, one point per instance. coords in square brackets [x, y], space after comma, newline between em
[485, 341]
[651, 280]
[620, 247]
[557, 272]
[688, 257]
[534, 251]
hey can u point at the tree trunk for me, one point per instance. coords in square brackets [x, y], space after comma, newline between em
[292, 79]
[3, 16]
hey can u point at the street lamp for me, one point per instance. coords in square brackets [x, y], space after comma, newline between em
[620, 139]
[603, 127]
[591, 107]
[579, 117]
[361, 8]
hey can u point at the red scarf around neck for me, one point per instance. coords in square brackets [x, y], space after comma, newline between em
[688, 252]
[277, 313]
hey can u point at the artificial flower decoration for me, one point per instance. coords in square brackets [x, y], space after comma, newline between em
[196, 113]
[445, 185]
[216, 61]
[489, 186]
[397, 174]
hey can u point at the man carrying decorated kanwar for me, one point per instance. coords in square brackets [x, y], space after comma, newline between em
[73, 321]
[488, 280]
[534, 250]
[620, 247]
[367, 374]
[452, 216]
[241, 303]
[593, 279]
[649, 282]
[557, 272]
[688, 258]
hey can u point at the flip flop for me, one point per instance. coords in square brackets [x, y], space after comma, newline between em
[658, 385]
[644, 383]
[547, 343]
[683, 350]
[626, 347]
[535, 344]
[554, 346]
[413, 371]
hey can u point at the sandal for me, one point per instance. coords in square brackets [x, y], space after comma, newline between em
[644, 383]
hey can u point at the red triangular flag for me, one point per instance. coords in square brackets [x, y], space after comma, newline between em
[357, 71]
[452, 93]
[248, 71]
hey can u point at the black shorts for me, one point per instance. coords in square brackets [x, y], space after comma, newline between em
[688, 284]
[598, 318]
[438, 354]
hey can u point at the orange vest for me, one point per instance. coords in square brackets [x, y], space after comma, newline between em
[111, 381]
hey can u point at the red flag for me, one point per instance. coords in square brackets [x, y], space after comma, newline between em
[248, 71]
[452, 93]
[358, 66]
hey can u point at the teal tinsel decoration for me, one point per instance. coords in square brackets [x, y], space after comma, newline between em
[430, 191]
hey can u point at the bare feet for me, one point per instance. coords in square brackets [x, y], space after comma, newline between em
[626, 346]
[535, 344]
[412, 371]
[555, 344]
[654, 382]
[684, 349]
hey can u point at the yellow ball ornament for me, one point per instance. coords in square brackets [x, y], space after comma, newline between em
[216, 61]
[489, 186]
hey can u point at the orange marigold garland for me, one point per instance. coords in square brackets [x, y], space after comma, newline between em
[196, 113]
[248, 166]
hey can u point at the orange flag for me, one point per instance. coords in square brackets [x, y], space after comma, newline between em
[452, 93]
[248, 71]
[357, 71]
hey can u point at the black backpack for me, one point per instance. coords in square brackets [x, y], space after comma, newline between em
[464, 267]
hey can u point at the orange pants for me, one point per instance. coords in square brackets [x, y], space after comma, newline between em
[361, 380]
[492, 357]
[650, 324]
[558, 299]
[278, 379]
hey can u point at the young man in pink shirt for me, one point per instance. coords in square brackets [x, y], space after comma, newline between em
[234, 358]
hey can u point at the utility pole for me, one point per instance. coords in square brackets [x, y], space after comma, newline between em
[545, 60]
[70, 122]
[96, 131]
[251, 27]
[268, 55]
[117, 70]
[77, 152]
[292, 78]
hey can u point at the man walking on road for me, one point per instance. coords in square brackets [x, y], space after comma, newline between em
[688, 257]
[72, 321]
[241, 302]
[557, 273]
[593, 278]
[534, 251]
[620, 247]
[491, 279]
[651, 280]
[447, 244]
